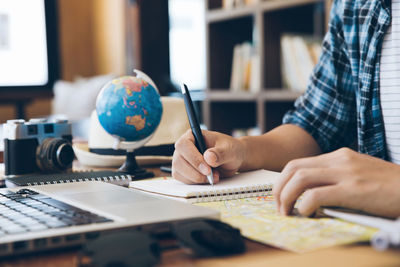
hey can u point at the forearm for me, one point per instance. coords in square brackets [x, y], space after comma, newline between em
[277, 147]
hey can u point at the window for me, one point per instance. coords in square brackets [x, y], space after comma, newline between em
[187, 42]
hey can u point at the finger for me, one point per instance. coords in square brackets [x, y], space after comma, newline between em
[227, 173]
[183, 167]
[284, 177]
[220, 154]
[211, 137]
[321, 161]
[215, 156]
[332, 195]
[302, 180]
[179, 177]
[182, 178]
[185, 146]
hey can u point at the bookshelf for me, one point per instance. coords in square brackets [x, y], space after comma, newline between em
[261, 24]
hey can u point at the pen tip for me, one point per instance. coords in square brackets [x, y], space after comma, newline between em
[183, 88]
[210, 178]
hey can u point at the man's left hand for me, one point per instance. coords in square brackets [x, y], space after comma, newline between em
[341, 178]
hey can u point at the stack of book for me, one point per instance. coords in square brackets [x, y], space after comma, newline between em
[245, 75]
[299, 55]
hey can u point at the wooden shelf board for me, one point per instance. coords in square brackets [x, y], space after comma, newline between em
[24, 94]
[271, 5]
[280, 95]
[229, 96]
[269, 95]
[220, 14]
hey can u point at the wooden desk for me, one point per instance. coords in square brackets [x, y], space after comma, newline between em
[256, 255]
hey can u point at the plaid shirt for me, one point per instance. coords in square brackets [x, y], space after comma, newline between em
[341, 104]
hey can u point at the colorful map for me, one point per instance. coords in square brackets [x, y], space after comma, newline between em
[257, 218]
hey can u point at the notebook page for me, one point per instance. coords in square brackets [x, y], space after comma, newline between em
[242, 182]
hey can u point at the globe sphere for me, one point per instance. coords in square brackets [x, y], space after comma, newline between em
[129, 108]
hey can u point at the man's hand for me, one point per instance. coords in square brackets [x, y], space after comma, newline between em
[224, 153]
[342, 178]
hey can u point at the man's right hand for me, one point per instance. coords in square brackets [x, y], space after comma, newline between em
[225, 154]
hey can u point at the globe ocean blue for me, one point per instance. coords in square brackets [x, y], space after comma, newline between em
[129, 108]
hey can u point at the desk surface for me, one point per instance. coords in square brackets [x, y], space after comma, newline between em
[256, 255]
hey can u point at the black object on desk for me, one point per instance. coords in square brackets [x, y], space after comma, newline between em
[130, 167]
[209, 238]
[204, 237]
[125, 248]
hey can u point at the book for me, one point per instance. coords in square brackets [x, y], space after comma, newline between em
[288, 65]
[227, 4]
[242, 185]
[69, 177]
[245, 75]
[237, 69]
[255, 75]
[299, 55]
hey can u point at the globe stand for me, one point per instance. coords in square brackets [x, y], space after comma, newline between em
[131, 167]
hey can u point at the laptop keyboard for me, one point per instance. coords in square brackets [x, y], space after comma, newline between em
[29, 211]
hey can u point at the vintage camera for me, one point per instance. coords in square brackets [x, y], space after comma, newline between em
[37, 146]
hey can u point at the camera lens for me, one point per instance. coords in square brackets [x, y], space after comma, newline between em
[54, 154]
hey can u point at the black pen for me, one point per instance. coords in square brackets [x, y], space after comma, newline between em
[194, 124]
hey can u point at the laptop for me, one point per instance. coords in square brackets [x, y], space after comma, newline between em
[38, 218]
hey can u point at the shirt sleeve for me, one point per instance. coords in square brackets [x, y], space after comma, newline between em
[327, 110]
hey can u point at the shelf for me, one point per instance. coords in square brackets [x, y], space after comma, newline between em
[216, 15]
[262, 24]
[276, 95]
[271, 5]
[226, 14]
[280, 95]
[229, 96]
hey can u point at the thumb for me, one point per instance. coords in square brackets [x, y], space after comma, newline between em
[217, 156]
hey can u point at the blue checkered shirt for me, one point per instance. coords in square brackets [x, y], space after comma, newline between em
[341, 104]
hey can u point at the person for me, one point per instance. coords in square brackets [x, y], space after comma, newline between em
[352, 100]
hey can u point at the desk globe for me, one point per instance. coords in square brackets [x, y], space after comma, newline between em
[129, 109]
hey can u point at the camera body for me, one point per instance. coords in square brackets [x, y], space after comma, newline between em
[37, 146]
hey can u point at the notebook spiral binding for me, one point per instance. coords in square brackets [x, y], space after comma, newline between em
[238, 193]
[101, 179]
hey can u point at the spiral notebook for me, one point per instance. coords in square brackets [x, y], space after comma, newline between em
[242, 185]
[69, 177]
